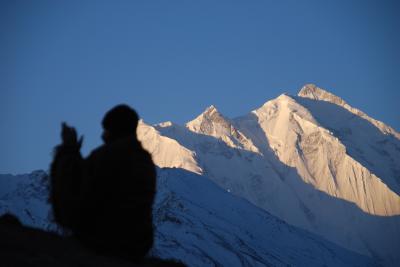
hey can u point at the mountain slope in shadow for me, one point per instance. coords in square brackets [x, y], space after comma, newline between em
[197, 223]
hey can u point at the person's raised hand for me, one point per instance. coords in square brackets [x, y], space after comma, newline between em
[69, 136]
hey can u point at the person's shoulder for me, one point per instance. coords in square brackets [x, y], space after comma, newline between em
[98, 152]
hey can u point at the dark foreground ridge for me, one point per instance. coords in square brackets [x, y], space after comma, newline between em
[24, 246]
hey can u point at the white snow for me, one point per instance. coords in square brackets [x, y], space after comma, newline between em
[306, 161]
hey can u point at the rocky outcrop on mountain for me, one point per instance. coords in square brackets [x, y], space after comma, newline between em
[213, 123]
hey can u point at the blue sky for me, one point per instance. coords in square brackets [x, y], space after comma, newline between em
[73, 60]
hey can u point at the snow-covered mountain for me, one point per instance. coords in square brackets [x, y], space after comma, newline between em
[200, 224]
[26, 197]
[312, 160]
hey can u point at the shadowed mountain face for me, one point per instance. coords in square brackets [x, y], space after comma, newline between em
[311, 160]
[196, 222]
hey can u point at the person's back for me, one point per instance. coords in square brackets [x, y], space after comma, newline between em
[111, 207]
[119, 198]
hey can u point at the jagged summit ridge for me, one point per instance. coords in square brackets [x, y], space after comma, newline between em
[211, 110]
[313, 92]
[211, 122]
[205, 121]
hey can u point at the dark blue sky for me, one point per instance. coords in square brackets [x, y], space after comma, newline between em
[73, 60]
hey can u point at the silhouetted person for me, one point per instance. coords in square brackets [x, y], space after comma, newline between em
[106, 199]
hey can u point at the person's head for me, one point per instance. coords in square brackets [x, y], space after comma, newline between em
[119, 122]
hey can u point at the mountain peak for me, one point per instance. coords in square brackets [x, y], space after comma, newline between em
[210, 110]
[210, 116]
[284, 97]
[313, 92]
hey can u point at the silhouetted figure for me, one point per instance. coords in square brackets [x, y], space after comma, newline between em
[106, 199]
